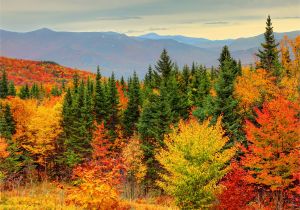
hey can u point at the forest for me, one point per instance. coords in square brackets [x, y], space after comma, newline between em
[197, 137]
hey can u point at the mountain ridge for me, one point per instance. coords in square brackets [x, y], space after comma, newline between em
[119, 52]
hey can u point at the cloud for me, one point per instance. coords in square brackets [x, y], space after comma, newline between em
[151, 29]
[285, 18]
[217, 23]
[157, 29]
[119, 18]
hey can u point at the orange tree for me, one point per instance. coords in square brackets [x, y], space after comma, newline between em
[272, 158]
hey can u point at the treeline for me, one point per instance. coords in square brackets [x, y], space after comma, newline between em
[177, 131]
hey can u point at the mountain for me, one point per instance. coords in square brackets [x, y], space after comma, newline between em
[234, 44]
[198, 42]
[23, 72]
[85, 50]
[121, 53]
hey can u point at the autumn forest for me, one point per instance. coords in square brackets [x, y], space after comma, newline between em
[191, 137]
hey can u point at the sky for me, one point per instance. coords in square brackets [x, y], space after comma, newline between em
[213, 19]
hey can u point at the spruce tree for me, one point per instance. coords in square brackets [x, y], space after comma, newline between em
[132, 112]
[7, 123]
[99, 99]
[113, 107]
[24, 92]
[4, 85]
[11, 89]
[224, 103]
[35, 91]
[153, 124]
[164, 65]
[268, 55]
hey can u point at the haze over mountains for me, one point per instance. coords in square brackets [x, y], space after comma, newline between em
[121, 53]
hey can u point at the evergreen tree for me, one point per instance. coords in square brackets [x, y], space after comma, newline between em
[24, 92]
[224, 103]
[149, 77]
[132, 112]
[4, 85]
[35, 92]
[99, 99]
[186, 77]
[113, 107]
[75, 82]
[154, 122]
[201, 86]
[164, 65]
[269, 54]
[7, 123]
[225, 55]
[11, 89]
[55, 91]
[193, 70]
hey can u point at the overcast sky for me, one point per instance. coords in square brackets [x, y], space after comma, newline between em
[213, 19]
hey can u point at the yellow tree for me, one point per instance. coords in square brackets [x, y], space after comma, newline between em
[194, 160]
[253, 87]
[133, 156]
[37, 128]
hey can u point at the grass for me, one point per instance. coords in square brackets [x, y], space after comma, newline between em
[50, 196]
[39, 196]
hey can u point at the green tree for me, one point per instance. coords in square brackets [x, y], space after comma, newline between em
[154, 122]
[113, 107]
[224, 103]
[4, 85]
[132, 112]
[99, 99]
[24, 92]
[269, 54]
[11, 89]
[164, 65]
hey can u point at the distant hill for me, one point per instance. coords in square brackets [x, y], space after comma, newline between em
[28, 72]
[119, 52]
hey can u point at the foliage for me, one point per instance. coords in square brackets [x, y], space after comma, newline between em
[28, 72]
[194, 161]
[37, 128]
[133, 157]
[252, 88]
[99, 177]
[237, 193]
[272, 158]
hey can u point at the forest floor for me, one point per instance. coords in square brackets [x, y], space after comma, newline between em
[47, 195]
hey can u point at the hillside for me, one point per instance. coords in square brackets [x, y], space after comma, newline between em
[27, 72]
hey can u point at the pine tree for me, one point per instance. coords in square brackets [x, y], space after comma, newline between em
[149, 78]
[225, 55]
[224, 102]
[153, 124]
[24, 92]
[76, 82]
[201, 86]
[7, 123]
[113, 107]
[11, 89]
[35, 91]
[99, 99]
[132, 112]
[55, 91]
[164, 65]
[4, 85]
[186, 77]
[269, 54]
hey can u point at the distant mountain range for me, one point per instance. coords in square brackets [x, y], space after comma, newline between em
[121, 53]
